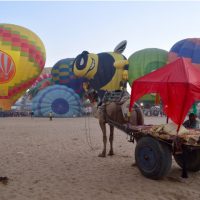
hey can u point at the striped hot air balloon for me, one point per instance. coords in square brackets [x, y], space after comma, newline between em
[39, 86]
[41, 78]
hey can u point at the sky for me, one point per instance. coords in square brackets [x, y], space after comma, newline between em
[68, 28]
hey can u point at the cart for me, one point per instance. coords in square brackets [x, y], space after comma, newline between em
[178, 85]
[155, 148]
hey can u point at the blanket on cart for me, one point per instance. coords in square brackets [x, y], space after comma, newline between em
[168, 132]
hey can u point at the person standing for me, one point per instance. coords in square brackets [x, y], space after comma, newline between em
[50, 116]
[192, 122]
[32, 114]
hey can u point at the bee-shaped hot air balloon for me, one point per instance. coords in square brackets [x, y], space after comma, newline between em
[104, 71]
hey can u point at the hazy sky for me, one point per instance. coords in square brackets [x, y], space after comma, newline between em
[67, 28]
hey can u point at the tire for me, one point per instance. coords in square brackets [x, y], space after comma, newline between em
[192, 160]
[153, 158]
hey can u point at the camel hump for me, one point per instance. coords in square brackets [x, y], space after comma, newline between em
[137, 117]
[125, 108]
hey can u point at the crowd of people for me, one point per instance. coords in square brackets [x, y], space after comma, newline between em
[13, 113]
[192, 122]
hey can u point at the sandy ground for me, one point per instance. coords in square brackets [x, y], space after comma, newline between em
[57, 160]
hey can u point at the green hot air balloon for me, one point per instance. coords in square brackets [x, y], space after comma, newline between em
[145, 61]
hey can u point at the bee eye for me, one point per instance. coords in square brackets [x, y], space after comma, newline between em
[82, 61]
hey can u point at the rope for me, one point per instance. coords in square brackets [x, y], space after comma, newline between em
[87, 133]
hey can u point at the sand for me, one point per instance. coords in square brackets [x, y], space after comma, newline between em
[57, 160]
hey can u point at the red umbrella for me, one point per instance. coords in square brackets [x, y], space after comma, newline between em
[178, 84]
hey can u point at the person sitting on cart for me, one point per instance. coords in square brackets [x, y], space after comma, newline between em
[192, 122]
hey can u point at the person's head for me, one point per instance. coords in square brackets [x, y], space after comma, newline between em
[192, 117]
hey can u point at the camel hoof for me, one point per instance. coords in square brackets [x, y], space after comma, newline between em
[102, 155]
[110, 153]
[133, 164]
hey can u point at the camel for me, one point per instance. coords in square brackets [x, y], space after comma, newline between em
[113, 111]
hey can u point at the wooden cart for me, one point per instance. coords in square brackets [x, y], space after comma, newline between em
[154, 149]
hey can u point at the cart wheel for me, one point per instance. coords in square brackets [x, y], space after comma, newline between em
[153, 158]
[192, 160]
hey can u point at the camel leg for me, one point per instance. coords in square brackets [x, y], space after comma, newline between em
[111, 140]
[103, 128]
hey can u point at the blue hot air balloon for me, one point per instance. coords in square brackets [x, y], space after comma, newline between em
[58, 99]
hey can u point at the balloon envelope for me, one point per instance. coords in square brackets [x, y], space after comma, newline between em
[100, 70]
[58, 99]
[145, 61]
[188, 48]
[22, 58]
[43, 83]
[63, 74]
[41, 78]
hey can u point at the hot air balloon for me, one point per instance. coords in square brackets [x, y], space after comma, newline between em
[40, 78]
[22, 58]
[145, 61]
[45, 82]
[104, 71]
[62, 74]
[61, 100]
[188, 48]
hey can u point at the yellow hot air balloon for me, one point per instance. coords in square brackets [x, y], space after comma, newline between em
[22, 59]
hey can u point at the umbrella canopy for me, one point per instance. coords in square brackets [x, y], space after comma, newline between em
[178, 84]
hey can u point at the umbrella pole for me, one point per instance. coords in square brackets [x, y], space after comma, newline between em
[167, 119]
